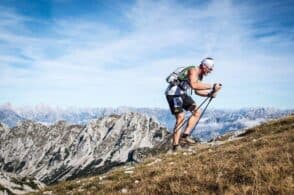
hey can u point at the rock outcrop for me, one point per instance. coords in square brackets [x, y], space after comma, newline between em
[65, 151]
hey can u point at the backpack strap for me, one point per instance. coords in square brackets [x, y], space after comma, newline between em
[183, 75]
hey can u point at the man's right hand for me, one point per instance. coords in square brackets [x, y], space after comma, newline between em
[216, 88]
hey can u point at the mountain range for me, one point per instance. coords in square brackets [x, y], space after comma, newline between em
[215, 122]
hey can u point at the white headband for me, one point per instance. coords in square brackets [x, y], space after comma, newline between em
[208, 62]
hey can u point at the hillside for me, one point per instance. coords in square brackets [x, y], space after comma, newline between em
[259, 161]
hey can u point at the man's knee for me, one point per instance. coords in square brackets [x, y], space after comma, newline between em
[197, 113]
[180, 117]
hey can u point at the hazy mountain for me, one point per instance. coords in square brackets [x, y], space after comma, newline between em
[9, 117]
[215, 121]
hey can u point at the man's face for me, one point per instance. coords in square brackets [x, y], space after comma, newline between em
[206, 70]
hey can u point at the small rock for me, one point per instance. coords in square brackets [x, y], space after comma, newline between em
[254, 140]
[80, 190]
[137, 181]
[154, 162]
[171, 163]
[102, 177]
[47, 192]
[129, 172]
[124, 191]
[129, 168]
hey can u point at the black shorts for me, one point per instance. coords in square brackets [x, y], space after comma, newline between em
[177, 104]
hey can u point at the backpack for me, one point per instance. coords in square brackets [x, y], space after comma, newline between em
[180, 74]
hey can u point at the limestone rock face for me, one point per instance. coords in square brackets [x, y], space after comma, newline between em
[65, 151]
[17, 185]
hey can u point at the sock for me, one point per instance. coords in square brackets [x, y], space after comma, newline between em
[185, 135]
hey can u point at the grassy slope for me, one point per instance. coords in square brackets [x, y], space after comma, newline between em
[260, 163]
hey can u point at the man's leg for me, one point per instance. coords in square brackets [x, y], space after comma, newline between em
[189, 104]
[192, 122]
[180, 117]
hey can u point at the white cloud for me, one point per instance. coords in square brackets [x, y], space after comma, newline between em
[88, 62]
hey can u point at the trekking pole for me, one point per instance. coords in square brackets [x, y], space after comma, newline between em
[182, 123]
[201, 114]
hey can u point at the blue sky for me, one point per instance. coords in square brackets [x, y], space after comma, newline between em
[118, 53]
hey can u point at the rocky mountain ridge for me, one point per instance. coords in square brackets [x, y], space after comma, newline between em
[64, 151]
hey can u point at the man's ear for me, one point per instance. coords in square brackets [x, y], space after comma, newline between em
[201, 68]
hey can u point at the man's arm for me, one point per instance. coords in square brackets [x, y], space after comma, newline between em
[203, 93]
[209, 93]
[194, 83]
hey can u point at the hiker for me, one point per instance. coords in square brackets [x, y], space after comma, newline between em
[181, 82]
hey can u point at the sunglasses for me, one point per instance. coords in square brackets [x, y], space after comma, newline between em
[209, 68]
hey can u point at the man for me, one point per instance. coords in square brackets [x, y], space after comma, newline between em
[179, 100]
